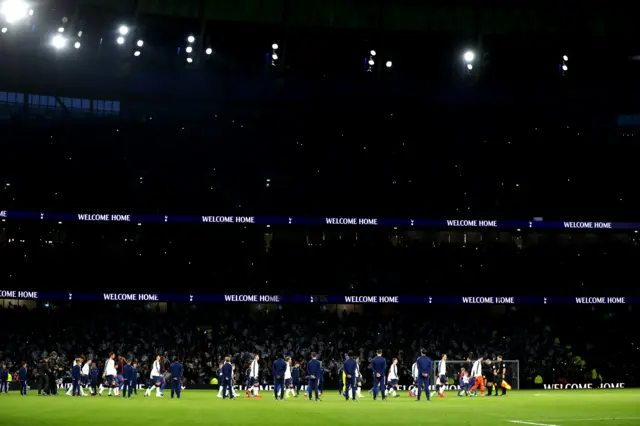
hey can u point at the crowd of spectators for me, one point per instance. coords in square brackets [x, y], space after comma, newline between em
[201, 335]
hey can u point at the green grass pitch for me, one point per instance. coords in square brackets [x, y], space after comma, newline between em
[617, 407]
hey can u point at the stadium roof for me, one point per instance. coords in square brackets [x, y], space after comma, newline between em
[75, 49]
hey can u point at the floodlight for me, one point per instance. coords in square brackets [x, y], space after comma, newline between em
[371, 62]
[565, 58]
[189, 60]
[120, 40]
[373, 53]
[14, 10]
[191, 39]
[274, 56]
[274, 46]
[209, 51]
[77, 45]
[136, 53]
[58, 41]
[61, 29]
[469, 56]
[189, 49]
[123, 30]
[140, 43]
[389, 63]
[4, 30]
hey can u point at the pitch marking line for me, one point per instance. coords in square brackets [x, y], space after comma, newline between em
[594, 419]
[600, 419]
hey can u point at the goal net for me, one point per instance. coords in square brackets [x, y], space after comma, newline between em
[454, 367]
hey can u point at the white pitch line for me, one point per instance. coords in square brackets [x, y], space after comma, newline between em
[579, 395]
[599, 419]
[593, 419]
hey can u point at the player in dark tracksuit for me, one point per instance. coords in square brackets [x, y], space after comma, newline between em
[379, 367]
[350, 367]
[249, 382]
[295, 377]
[94, 378]
[278, 370]
[227, 378]
[76, 377]
[176, 378]
[314, 370]
[22, 376]
[134, 377]
[321, 382]
[4, 377]
[127, 376]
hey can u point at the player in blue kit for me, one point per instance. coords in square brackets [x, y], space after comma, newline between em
[84, 368]
[424, 372]
[22, 377]
[379, 367]
[4, 377]
[127, 373]
[134, 377]
[94, 379]
[76, 376]
[227, 378]
[278, 370]
[176, 378]
[314, 370]
[350, 367]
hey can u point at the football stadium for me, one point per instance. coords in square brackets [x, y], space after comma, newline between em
[318, 212]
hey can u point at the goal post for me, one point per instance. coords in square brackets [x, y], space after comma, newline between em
[454, 367]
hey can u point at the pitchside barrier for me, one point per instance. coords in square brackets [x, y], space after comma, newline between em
[454, 368]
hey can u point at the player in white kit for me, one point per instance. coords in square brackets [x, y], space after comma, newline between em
[156, 377]
[393, 379]
[358, 379]
[441, 380]
[413, 389]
